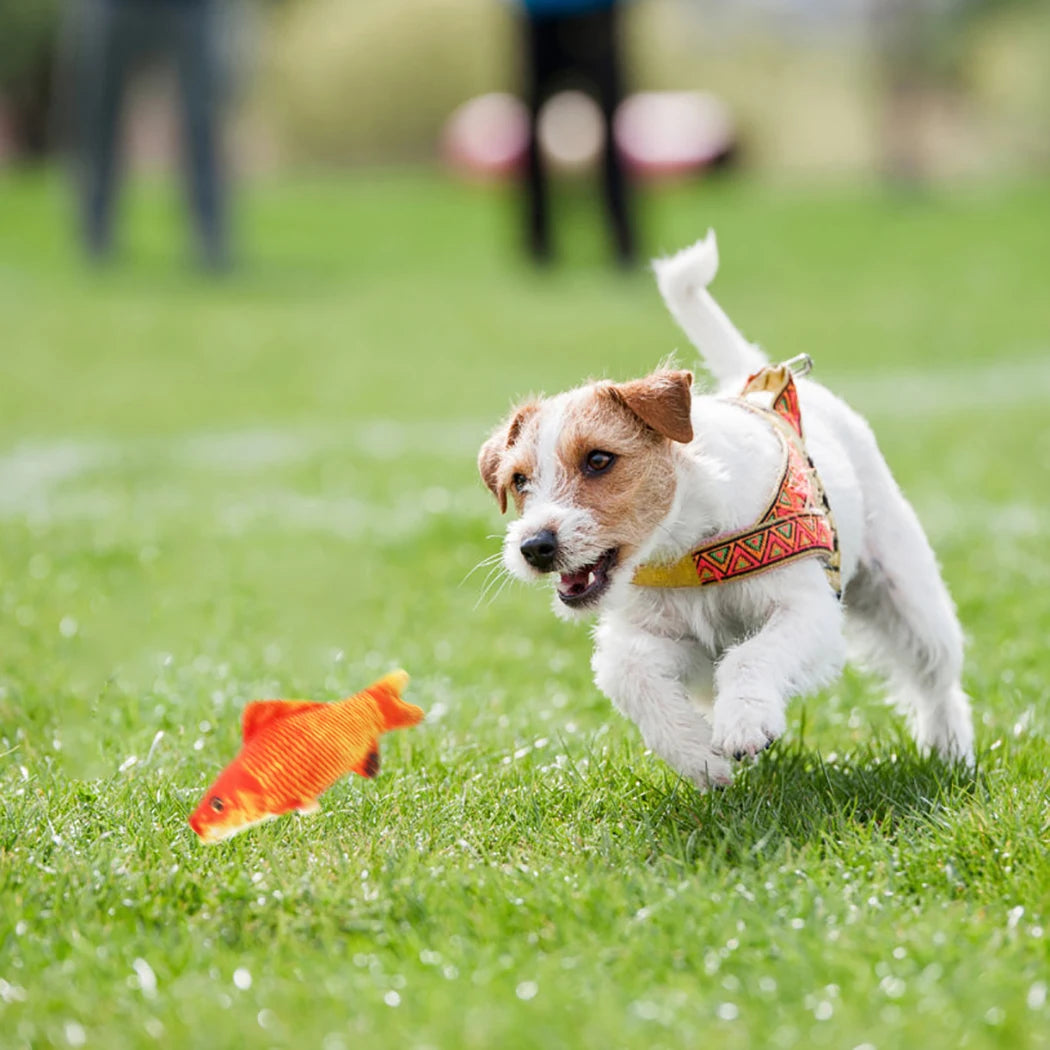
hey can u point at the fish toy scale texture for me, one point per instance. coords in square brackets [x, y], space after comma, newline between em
[295, 750]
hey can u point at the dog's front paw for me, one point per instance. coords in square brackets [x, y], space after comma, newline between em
[697, 761]
[714, 773]
[744, 727]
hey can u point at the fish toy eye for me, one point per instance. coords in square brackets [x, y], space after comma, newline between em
[598, 461]
[519, 481]
[217, 804]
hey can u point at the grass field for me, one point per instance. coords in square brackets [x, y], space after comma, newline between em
[266, 487]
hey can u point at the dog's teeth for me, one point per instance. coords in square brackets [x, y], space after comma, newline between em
[590, 578]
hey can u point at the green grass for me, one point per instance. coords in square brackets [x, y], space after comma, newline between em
[266, 487]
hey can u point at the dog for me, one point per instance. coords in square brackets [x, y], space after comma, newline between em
[614, 481]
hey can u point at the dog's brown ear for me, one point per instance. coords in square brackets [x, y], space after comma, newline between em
[662, 401]
[490, 458]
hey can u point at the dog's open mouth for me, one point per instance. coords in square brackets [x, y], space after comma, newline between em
[585, 586]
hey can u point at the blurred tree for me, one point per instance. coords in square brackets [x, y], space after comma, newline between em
[28, 46]
[376, 79]
[995, 5]
[926, 51]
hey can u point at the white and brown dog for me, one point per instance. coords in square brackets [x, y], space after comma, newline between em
[612, 478]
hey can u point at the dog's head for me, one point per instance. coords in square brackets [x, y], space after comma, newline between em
[591, 474]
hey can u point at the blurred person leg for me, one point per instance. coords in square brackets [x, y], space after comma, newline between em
[581, 46]
[905, 42]
[197, 63]
[543, 60]
[604, 58]
[108, 33]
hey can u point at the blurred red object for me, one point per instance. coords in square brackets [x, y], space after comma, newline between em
[666, 133]
[486, 137]
[659, 134]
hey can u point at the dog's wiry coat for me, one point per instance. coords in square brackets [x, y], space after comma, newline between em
[706, 673]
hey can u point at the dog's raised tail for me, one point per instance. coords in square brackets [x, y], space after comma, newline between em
[683, 279]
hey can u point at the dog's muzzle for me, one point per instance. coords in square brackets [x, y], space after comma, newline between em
[540, 550]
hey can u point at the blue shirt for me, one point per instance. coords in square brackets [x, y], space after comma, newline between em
[565, 7]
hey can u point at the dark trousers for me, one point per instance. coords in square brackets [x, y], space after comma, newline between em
[579, 50]
[115, 36]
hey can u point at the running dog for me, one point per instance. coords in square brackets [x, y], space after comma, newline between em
[729, 545]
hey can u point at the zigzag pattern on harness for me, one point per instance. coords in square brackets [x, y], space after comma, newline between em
[797, 522]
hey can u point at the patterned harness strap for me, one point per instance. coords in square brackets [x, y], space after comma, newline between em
[797, 522]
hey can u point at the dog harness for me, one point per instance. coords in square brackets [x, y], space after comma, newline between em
[797, 522]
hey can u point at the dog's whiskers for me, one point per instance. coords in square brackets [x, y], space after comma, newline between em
[489, 560]
[498, 577]
[491, 577]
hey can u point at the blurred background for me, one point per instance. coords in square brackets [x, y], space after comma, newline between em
[270, 271]
[905, 89]
[268, 276]
[811, 85]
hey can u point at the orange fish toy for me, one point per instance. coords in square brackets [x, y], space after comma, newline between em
[295, 750]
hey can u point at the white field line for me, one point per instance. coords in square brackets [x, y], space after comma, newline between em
[72, 480]
[257, 448]
[29, 473]
[35, 477]
[347, 518]
[931, 393]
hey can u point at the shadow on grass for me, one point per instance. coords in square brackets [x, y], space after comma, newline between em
[795, 796]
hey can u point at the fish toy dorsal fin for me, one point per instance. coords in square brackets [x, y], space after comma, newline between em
[261, 713]
[394, 711]
[395, 681]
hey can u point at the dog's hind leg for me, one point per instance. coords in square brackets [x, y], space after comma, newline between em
[901, 618]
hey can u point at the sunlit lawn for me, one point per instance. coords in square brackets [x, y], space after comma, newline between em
[211, 492]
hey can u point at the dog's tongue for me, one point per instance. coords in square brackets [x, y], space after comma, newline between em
[575, 582]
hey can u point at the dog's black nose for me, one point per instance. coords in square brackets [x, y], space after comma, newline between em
[540, 550]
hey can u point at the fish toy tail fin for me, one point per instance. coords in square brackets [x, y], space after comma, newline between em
[396, 714]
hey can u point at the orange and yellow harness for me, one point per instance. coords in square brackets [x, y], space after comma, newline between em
[797, 522]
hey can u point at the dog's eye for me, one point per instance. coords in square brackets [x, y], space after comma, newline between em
[217, 804]
[597, 461]
[519, 481]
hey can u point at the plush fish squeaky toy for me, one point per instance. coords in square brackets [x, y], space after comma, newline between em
[295, 750]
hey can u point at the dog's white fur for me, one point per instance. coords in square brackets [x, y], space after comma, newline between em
[706, 673]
